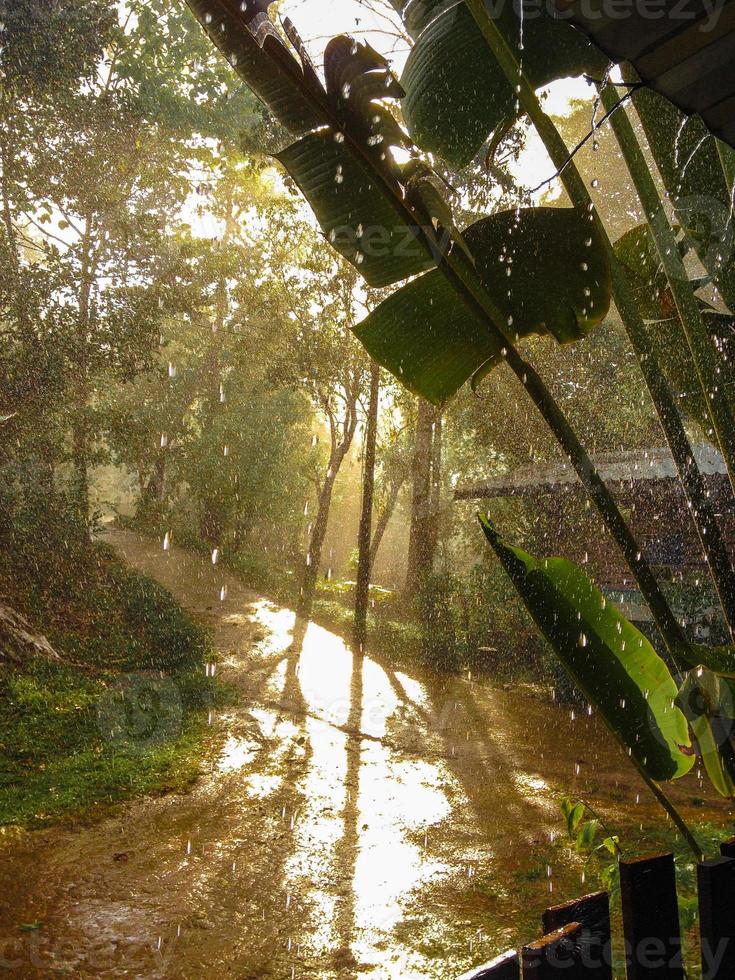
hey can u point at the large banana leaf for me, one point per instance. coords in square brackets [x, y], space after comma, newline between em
[690, 165]
[615, 666]
[706, 701]
[559, 284]
[362, 224]
[343, 162]
[416, 14]
[457, 94]
[250, 42]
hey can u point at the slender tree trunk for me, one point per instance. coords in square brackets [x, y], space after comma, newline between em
[80, 451]
[316, 541]
[213, 525]
[81, 392]
[384, 518]
[339, 449]
[419, 544]
[435, 493]
[153, 491]
[364, 565]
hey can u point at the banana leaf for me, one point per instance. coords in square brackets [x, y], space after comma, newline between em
[613, 663]
[457, 94]
[706, 700]
[361, 223]
[559, 285]
[719, 660]
[343, 162]
[247, 38]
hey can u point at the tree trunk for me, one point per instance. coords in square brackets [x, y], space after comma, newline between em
[364, 565]
[384, 518]
[80, 461]
[435, 493]
[420, 552]
[80, 422]
[316, 541]
[153, 492]
[212, 522]
[342, 433]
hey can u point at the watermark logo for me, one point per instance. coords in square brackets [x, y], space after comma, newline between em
[140, 711]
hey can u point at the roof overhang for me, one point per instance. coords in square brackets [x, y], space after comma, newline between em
[683, 49]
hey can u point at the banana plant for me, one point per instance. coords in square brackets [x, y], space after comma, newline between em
[456, 92]
[506, 52]
[637, 252]
[391, 229]
[697, 171]
[559, 287]
[704, 356]
[509, 58]
[612, 662]
[706, 699]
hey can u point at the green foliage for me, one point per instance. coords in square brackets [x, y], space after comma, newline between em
[120, 715]
[457, 94]
[560, 285]
[436, 604]
[591, 840]
[57, 764]
[45, 42]
[689, 161]
[637, 253]
[707, 702]
[613, 663]
[363, 225]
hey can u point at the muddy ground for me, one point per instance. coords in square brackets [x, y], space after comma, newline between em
[352, 820]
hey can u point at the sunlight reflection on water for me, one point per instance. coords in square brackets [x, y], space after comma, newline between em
[355, 857]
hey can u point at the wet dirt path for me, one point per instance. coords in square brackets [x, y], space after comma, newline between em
[353, 820]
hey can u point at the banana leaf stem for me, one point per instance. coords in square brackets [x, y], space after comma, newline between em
[703, 353]
[668, 806]
[657, 385]
[727, 160]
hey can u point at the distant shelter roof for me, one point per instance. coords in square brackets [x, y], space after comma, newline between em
[628, 466]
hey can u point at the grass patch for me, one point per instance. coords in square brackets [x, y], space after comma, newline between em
[125, 714]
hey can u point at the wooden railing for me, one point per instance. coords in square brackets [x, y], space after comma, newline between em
[576, 944]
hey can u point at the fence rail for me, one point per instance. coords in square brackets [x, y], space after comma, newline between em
[577, 941]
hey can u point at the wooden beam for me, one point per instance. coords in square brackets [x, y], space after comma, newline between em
[507, 966]
[592, 912]
[651, 918]
[554, 957]
[716, 884]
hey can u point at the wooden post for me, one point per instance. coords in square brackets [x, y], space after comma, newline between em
[592, 912]
[555, 957]
[716, 884]
[504, 967]
[651, 918]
